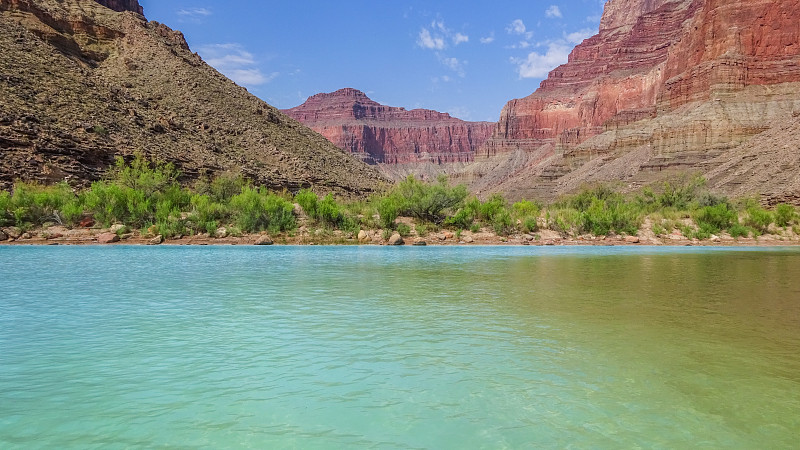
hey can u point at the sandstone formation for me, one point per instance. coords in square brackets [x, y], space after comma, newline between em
[665, 86]
[390, 135]
[81, 83]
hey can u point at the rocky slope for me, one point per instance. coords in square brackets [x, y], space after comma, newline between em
[81, 83]
[390, 135]
[665, 86]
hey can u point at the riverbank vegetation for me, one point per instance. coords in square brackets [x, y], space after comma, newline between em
[147, 198]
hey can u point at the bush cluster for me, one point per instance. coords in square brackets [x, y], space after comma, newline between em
[146, 195]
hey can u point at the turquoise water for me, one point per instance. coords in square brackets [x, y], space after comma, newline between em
[354, 347]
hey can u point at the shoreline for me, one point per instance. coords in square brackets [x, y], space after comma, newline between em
[100, 237]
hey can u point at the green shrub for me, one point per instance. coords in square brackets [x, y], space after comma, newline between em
[716, 218]
[35, 204]
[328, 211]
[738, 230]
[492, 207]
[502, 222]
[564, 220]
[421, 229]
[257, 210]
[388, 209]
[530, 225]
[475, 228]
[465, 217]
[429, 202]
[403, 229]
[758, 219]
[206, 214]
[308, 201]
[142, 175]
[6, 218]
[784, 215]
[682, 193]
[658, 229]
[525, 208]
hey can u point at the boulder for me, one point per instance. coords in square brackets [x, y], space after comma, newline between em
[468, 239]
[420, 243]
[158, 240]
[86, 222]
[13, 232]
[3, 236]
[632, 239]
[263, 240]
[396, 239]
[362, 236]
[107, 238]
[221, 232]
[116, 227]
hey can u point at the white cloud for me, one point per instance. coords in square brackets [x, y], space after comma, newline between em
[426, 40]
[436, 36]
[488, 39]
[194, 12]
[578, 36]
[236, 63]
[538, 65]
[553, 11]
[517, 27]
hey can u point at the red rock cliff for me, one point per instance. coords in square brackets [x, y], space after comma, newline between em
[665, 86]
[651, 57]
[391, 135]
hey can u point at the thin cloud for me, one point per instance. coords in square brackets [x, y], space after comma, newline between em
[236, 63]
[436, 36]
[459, 38]
[578, 36]
[553, 12]
[488, 39]
[517, 27]
[194, 13]
[538, 65]
[428, 41]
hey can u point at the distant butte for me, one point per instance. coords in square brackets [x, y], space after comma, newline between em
[390, 135]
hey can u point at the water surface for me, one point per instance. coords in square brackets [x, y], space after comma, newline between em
[337, 347]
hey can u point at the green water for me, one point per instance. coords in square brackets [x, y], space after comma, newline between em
[366, 347]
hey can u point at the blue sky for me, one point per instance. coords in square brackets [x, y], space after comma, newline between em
[467, 58]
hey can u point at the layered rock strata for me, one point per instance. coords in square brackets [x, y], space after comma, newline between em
[81, 84]
[665, 85]
[390, 135]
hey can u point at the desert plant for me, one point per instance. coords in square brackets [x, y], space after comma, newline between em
[784, 215]
[388, 209]
[466, 215]
[758, 218]
[403, 229]
[308, 201]
[257, 210]
[716, 218]
[738, 230]
[429, 202]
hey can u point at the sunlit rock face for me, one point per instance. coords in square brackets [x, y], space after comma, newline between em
[679, 81]
[385, 134]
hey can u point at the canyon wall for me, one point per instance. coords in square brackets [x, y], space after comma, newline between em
[390, 135]
[665, 85]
